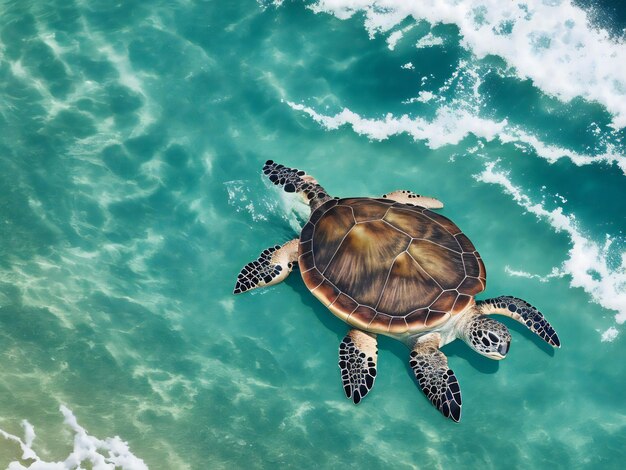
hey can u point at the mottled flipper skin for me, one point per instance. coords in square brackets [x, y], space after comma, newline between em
[293, 180]
[409, 197]
[358, 355]
[436, 380]
[271, 267]
[524, 313]
[392, 266]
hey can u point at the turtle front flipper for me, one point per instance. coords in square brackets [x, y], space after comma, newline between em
[524, 313]
[293, 180]
[271, 267]
[436, 380]
[409, 197]
[358, 355]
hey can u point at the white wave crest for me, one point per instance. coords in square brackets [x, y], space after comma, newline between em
[450, 126]
[551, 43]
[107, 454]
[587, 264]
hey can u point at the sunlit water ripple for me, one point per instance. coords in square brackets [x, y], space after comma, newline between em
[132, 135]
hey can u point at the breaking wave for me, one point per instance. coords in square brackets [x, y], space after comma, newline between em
[109, 453]
[587, 265]
[550, 42]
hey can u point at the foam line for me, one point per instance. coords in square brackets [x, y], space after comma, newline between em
[450, 126]
[107, 454]
[517, 273]
[587, 264]
[429, 41]
[394, 37]
[25, 445]
[551, 43]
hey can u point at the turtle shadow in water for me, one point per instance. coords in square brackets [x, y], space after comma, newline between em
[339, 327]
[458, 349]
[326, 317]
[455, 349]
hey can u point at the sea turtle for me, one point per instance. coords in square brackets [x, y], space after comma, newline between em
[391, 266]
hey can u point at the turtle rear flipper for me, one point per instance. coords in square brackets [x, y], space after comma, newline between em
[409, 197]
[358, 354]
[271, 267]
[436, 380]
[293, 180]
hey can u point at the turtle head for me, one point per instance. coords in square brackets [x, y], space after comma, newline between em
[487, 337]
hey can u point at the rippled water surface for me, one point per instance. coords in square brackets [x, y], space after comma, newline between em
[132, 135]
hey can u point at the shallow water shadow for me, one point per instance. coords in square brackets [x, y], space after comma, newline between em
[340, 328]
[452, 350]
[480, 363]
[331, 322]
[455, 349]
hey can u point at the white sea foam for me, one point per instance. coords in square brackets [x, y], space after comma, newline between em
[552, 153]
[429, 41]
[102, 454]
[551, 43]
[450, 126]
[394, 37]
[283, 204]
[610, 334]
[518, 273]
[588, 263]
[425, 96]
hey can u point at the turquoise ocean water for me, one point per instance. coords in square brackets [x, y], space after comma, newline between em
[132, 136]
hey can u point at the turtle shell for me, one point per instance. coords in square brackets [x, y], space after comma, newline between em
[388, 267]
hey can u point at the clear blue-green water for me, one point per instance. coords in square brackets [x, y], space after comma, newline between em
[132, 135]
